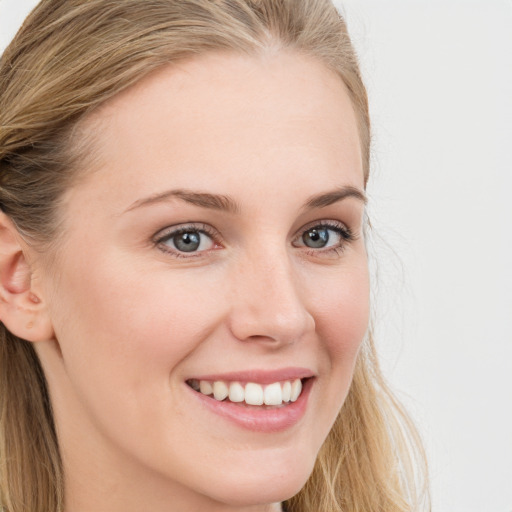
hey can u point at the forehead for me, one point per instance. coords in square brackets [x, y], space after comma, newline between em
[230, 118]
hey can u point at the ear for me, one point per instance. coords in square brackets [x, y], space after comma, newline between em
[22, 310]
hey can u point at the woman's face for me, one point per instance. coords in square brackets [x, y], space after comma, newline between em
[217, 243]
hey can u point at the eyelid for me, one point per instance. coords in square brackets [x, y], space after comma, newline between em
[340, 228]
[168, 232]
[335, 225]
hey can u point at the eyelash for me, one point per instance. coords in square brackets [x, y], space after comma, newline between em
[345, 233]
[169, 233]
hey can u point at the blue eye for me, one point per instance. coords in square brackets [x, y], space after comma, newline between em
[327, 236]
[185, 240]
[316, 238]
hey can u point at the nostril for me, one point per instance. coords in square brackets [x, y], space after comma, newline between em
[259, 337]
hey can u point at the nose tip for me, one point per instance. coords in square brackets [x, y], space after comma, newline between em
[269, 306]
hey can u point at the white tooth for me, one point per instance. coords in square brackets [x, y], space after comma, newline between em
[236, 392]
[273, 394]
[287, 391]
[194, 384]
[205, 387]
[220, 390]
[253, 394]
[296, 389]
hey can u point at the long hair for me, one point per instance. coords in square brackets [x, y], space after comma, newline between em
[70, 57]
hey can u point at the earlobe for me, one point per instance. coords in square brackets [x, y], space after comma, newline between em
[22, 310]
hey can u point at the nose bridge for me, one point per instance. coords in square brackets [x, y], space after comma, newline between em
[268, 302]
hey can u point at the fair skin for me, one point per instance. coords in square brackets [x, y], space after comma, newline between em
[135, 315]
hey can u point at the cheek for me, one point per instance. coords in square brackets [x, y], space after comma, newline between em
[342, 316]
[123, 327]
[343, 313]
[139, 316]
[124, 332]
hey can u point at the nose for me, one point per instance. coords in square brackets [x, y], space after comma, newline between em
[268, 304]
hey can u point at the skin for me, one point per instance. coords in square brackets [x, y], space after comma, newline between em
[131, 320]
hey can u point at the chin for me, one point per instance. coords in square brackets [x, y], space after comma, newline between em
[270, 485]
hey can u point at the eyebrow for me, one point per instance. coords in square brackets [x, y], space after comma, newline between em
[225, 203]
[334, 196]
[203, 199]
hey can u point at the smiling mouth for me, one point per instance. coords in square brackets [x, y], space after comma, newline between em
[275, 394]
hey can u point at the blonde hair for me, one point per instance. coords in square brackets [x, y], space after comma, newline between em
[70, 57]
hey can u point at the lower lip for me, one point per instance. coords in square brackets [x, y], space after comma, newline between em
[256, 418]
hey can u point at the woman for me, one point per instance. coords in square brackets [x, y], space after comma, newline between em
[184, 278]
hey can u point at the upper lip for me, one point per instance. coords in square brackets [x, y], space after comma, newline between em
[259, 376]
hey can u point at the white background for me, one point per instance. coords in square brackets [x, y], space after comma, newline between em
[439, 74]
